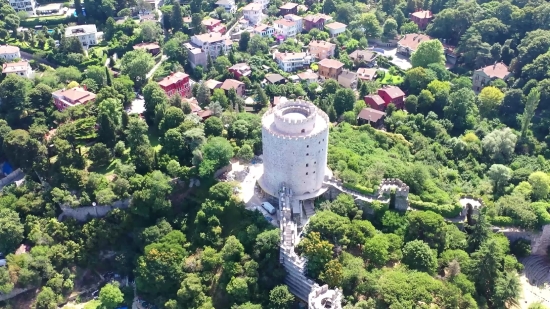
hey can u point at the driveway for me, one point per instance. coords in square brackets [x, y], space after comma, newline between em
[162, 58]
[399, 60]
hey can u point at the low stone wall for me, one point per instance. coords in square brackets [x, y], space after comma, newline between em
[13, 293]
[13, 176]
[223, 170]
[539, 240]
[84, 213]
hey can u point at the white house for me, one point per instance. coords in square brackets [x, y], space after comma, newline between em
[335, 28]
[289, 62]
[87, 34]
[21, 68]
[285, 27]
[228, 5]
[252, 12]
[264, 30]
[298, 20]
[27, 6]
[213, 43]
[9, 52]
[263, 3]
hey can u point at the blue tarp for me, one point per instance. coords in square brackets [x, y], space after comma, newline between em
[7, 169]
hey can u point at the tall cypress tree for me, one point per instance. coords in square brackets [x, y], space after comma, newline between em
[109, 78]
[177, 18]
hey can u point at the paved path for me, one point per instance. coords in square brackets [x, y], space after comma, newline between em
[162, 59]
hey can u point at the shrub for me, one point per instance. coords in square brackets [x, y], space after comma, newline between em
[359, 188]
[446, 210]
[521, 248]
[501, 221]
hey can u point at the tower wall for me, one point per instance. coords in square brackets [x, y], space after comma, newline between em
[294, 150]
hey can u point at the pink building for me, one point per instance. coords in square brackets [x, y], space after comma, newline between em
[71, 97]
[177, 82]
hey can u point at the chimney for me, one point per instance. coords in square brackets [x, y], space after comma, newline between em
[84, 87]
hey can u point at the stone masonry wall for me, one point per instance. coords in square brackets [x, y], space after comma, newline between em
[83, 213]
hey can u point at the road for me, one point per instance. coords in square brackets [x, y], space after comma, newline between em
[29, 56]
[162, 59]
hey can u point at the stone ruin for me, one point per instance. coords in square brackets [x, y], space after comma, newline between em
[321, 297]
[401, 192]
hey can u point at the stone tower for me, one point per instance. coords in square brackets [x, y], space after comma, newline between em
[295, 142]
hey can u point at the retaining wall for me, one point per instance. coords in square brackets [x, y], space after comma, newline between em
[539, 240]
[13, 293]
[84, 213]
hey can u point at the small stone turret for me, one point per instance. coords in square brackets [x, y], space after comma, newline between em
[401, 192]
[321, 297]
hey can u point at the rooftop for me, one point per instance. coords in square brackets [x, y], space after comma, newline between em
[375, 98]
[231, 84]
[211, 22]
[288, 6]
[366, 55]
[210, 37]
[321, 44]
[274, 78]
[225, 2]
[79, 30]
[335, 26]
[497, 70]
[347, 75]
[331, 63]
[316, 17]
[76, 94]
[287, 56]
[243, 68]
[15, 67]
[261, 28]
[147, 46]
[187, 19]
[173, 79]
[392, 91]
[8, 49]
[366, 73]
[412, 40]
[308, 75]
[422, 14]
[370, 114]
[212, 84]
[252, 7]
[285, 22]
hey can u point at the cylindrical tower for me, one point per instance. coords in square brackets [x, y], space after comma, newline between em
[295, 142]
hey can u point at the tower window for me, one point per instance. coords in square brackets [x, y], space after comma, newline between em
[307, 154]
[307, 164]
[306, 173]
[303, 130]
[307, 146]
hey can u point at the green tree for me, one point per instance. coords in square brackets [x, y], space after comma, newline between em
[237, 288]
[152, 198]
[46, 299]
[110, 296]
[317, 251]
[428, 52]
[40, 97]
[490, 99]
[499, 145]
[499, 175]
[417, 255]
[344, 99]
[262, 101]
[22, 150]
[136, 64]
[332, 274]
[177, 18]
[97, 74]
[203, 95]
[216, 153]
[245, 153]
[100, 154]
[540, 182]
[213, 126]
[153, 96]
[11, 230]
[280, 298]
[462, 109]
[533, 99]
[243, 41]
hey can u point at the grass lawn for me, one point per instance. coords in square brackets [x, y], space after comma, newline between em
[391, 79]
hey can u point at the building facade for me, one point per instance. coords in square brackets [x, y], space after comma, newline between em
[229, 84]
[335, 28]
[285, 27]
[316, 21]
[228, 5]
[321, 49]
[295, 144]
[264, 31]
[86, 34]
[252, 12]
[21, 68]
[408, 44]
[263, 3]
[289, 62]
[177, 82]
[240, 70]
[421, 18]
[348, 79]
[483, 77]
[298, 20]
[288, 8]
[9, 52]
[65, 98]
[330, 68]
[27, 6]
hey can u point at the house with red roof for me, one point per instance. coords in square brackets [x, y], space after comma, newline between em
[240, 70]
[65, 98]
[288, 8]
[316, 21]
[385, 96]
[214, 25]
[482, 77]
[177, 82]
[229, 84]
[421, 18]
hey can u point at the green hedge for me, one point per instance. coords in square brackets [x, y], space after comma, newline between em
[501, 221]
[359, 188]
[446, 210]
[47, 21]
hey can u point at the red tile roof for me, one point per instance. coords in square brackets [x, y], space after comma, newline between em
[497, 70]
[231, 84]
[412, 40]
[375, 98]
[210, 22]
[331, 63]
[371, 114]
[75, 95]
[288, 6]
[15, 67]
[147, 46]
[173, 79]
[212, 84]
[392, 91]
[366, 74]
